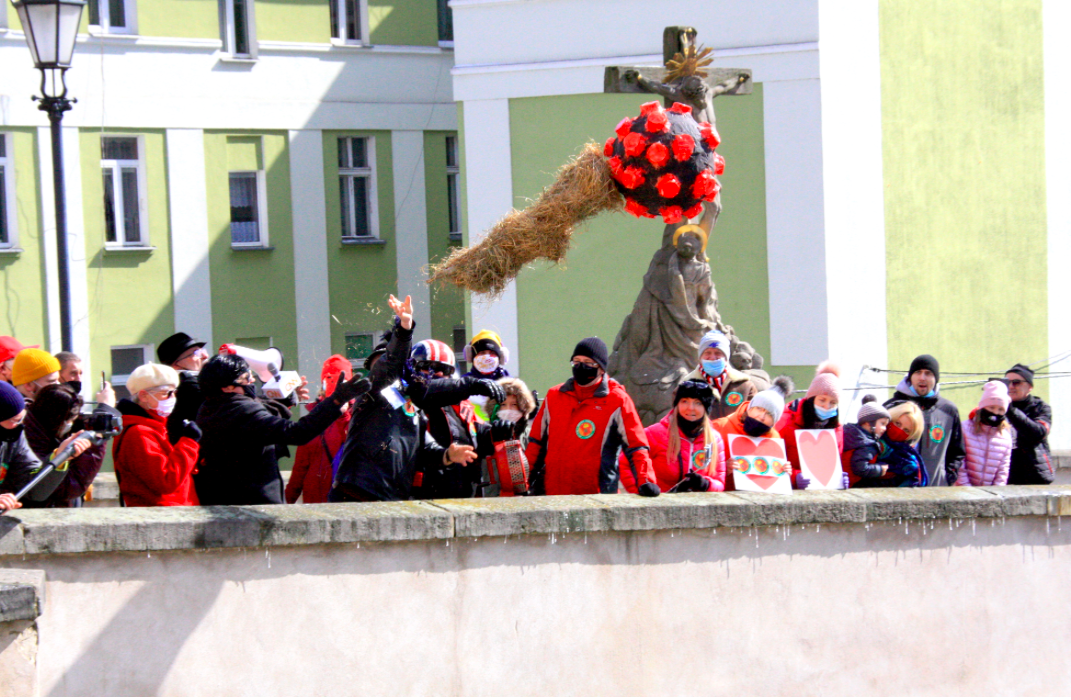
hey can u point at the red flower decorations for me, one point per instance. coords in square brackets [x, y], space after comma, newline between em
[636, 209]
[649, 108]
[680, 108]
[668, 186]
[657, 155]
[608, 149]
[631, 177]
[657, 122]
[704, 184]
[710, 135]
[671, 215]
[634, 144]
[623, 127]
[694, 211]
[719, 164]
[683, 146]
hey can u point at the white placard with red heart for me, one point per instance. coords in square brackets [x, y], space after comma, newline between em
[759, 464]
[820, 459]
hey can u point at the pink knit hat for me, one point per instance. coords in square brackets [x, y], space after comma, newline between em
[995, 394]
[826, 381]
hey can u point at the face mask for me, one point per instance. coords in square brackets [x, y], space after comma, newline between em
[929, 395]
[510, 414]
[755, 428]
[989, 418]
[76, 385]
[164, 407]
[10, 434]
[896, 433]
[713, 368]
[66, 428]
[825, 413]
[250, 391]
[584, 375]
[485, 364]
[690, 428]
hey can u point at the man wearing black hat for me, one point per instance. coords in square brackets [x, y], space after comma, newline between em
[1032, 419]
[185, 355]
[941, 445]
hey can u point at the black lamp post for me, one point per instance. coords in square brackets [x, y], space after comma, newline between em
[51, 28]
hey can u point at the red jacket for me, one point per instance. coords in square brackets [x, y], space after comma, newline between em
[791, 421]
[733, 424]
[668, 475]
[151, 471]
[312, 474]
[577, 436]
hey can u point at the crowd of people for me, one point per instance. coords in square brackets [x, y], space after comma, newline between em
[196, 430]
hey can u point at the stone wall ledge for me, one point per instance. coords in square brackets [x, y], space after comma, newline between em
[63, 531]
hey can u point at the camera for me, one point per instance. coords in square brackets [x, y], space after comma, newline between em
[103, 423]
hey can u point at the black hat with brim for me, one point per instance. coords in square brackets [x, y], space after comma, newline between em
[172, 348]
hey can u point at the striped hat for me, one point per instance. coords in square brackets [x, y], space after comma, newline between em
[433, 351]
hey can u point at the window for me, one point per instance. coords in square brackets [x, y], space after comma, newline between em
[126, 359]
[7, 195]
[112, 16]
[446, 23]
[357, 187]
[236, 27]
[453, 192]
[124, 206]
[358, 347]
[460, 341]
[248, 216]
[348, 19]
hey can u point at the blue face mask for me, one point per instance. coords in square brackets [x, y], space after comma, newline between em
[930, 395]
[713, 368]
[825, 413]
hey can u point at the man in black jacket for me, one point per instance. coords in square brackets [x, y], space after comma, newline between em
[238, 464]
[388, 447]
[186, 356]
[941, 445]
[1031, 417]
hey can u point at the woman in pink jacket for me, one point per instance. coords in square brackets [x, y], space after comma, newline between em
[989, 440]
[679, 443]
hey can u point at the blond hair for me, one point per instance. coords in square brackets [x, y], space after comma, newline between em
[673, 447]
[917, 420]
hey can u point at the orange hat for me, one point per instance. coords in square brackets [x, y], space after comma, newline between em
[31, 364]
[333, 366]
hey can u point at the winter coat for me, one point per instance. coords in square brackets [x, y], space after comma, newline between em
[989, 454]
[81, 471]
[905, 462]
[388, 445]
[188, 400]
[669, 474]
[19, 466]
[1031, 462]
[239, 464]
[736, 389]
[793, 419]
[577, 435]
[313, 473]
[733, 424]
[860, 456]
[150, 470]
[941, 445]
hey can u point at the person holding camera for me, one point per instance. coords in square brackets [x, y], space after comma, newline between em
[56, 413]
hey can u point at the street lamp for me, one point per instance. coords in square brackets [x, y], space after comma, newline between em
[51, 28]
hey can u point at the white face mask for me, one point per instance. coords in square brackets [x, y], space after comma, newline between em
[485, 364]
[510, 414]
[164, 407]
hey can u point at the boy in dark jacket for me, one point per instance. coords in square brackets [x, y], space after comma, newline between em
[862, 445]
[1031, 417]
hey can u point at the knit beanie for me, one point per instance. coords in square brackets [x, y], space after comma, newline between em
[925, 362]
[826, 381]
[334, 366]
[1024, 372]
[11, 402]
[714, 339]
[31, 364]
[695, 390]
[773, 399]
[995, 394]
[871, 411]
[149, 376]
[593, 348]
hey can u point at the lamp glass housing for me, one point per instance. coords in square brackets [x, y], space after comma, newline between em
[51, 28]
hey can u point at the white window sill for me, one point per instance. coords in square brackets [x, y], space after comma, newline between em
[446, 45]
[363, 241]
[349, 43]
[225, 57]
[252, 247]
[10, 251]
[105, 32]
[129, 249]
[455, 237]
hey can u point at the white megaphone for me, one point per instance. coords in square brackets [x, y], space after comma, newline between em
[266, 364]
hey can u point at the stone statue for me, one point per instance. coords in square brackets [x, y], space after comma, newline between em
[745, 359]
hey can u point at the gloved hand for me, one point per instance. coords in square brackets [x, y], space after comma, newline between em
[501, 430]
[348, 391]
[650, 490]
[693, 483]
[191, 430]
[845, 480]
[490, 389]
[802, 482]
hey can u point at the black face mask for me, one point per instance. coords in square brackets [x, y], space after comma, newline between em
[989, 418]
[250, 391]
[584, 375]
[10, 434]
[755, 428]
[691, 428]
[76, 385]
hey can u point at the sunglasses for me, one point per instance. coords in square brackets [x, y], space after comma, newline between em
[431, 366]
[168, 393]
[1014, 382]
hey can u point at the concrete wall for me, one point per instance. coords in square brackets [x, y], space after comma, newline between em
[844, 593]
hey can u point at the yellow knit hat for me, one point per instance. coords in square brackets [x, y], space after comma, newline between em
[31, 364]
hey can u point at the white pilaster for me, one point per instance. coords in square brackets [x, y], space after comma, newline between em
[853, 189]
[76, 245]
[191, 283]
[311, 285]
[488, 162]
[411, 225]
[48, 231]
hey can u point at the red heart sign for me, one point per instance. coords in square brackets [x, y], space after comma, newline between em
[744, 446]
[764, 481]
[819, 453]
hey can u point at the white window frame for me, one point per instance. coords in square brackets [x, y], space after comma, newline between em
[105, 26]
[362, 23]
[148, 352]
[123, 240]
[454, 172]
[369, 173]
[7, 183]
[262, 209]
[443, 43]
[228, 29]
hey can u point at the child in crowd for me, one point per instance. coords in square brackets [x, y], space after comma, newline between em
[862, 446]
[900, 452]
[488, 357]
[989, 440]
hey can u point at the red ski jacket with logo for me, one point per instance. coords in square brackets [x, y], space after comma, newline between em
[577, 436]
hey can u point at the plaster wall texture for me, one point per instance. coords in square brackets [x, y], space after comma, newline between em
[805, 609]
